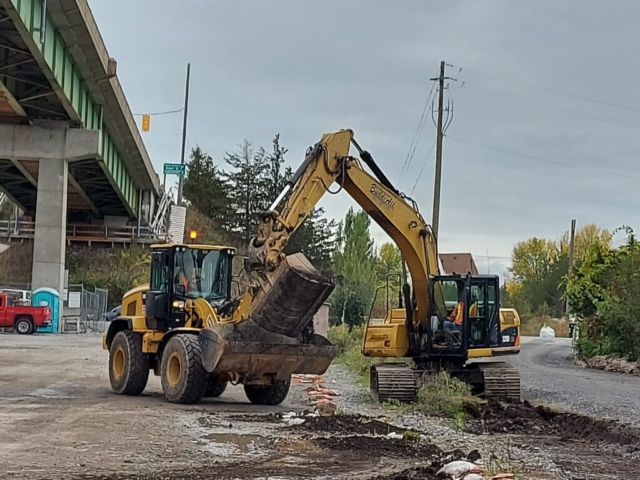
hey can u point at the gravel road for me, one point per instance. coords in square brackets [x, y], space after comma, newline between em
[548, 374]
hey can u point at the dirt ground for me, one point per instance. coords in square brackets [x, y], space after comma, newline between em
[59, 419]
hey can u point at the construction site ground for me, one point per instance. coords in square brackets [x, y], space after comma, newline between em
[59, 419]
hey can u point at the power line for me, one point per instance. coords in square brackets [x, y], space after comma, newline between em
[544, 89]
[538, 103]
[168, 112]
[541, 159]
[426, 161]
[416, 138]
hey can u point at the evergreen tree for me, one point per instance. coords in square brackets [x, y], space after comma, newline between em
[248, 192]
[206, 188]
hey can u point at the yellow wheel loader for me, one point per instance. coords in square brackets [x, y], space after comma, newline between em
[444, 322]
[186, 327]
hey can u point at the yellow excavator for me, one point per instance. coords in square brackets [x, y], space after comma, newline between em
[422, 332]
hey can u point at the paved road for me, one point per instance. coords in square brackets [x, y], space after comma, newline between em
[548, 374]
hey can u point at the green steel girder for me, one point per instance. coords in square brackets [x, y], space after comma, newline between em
[90, 176]
[17, 187]
[57, 64]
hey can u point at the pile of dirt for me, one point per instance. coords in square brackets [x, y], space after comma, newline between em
[380, 446]
[526, 419]
[352, 424]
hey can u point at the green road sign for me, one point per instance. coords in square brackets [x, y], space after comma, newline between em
[174, 169]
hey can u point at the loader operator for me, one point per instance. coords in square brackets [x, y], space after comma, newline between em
[183, 278]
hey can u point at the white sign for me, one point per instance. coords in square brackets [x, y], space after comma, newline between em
[74, 299]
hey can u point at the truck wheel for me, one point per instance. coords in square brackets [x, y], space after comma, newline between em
[268, 394]
[128, 366]
[215, 388]
[24, 326]
[183, 376]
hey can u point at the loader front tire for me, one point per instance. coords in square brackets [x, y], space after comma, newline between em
[182, 374]
[268, 394]
[214, 388]
[128, 366]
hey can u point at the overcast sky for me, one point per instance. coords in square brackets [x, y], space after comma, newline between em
[304, 68]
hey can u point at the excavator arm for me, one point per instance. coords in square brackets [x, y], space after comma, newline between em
[328, 168]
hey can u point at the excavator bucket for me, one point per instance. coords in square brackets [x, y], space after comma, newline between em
[294, 293]
[253, 352]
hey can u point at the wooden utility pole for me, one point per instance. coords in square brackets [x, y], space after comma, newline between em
[184, 133]
[435, 222]
[572, 236]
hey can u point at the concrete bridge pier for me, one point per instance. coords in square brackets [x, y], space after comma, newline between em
[53, 147]
[51, 226]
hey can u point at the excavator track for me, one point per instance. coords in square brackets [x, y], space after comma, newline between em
[393, 381]
[501, 381]
[400, 382]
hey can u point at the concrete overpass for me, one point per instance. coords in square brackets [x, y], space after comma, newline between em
[70, 150]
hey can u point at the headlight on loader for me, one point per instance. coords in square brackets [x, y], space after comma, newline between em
[178, 304]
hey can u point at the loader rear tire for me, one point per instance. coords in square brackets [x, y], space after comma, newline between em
[268, 394]
[182, 374]
[128, 366]
[215, 388]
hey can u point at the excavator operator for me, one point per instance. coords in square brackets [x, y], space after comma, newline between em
[455, 319]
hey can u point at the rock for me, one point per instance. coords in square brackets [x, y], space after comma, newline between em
[458, 469]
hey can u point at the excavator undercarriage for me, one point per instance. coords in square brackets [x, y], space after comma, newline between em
[401, 381]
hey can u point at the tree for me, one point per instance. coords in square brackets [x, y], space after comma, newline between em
[206, 189]
[354, 262]
[275, 175]
[247, 192]
[388, 261]
[316, 238]
[584, 238]
[540, 266]
[604, 291]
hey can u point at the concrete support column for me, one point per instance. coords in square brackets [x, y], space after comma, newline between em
[51, 227]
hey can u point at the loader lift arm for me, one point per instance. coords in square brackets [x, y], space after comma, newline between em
[329, 163]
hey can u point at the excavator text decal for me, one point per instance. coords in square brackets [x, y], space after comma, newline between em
[383, 199]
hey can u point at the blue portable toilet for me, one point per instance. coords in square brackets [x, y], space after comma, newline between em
[47, 297]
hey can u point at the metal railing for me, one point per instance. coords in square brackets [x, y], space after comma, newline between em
[25, 229]
[87, 308]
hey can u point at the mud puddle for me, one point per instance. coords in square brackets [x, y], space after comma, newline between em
[350, 447]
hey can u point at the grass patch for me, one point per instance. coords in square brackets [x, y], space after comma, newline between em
[444, 396]
[439, 395]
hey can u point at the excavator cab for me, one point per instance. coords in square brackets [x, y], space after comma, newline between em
[464, 316]
[183, 272]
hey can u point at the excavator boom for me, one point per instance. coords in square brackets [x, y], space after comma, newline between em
[326, 164]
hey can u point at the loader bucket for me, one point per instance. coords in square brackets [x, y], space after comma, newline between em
[253, 352]
[295, 293]
[213, 346]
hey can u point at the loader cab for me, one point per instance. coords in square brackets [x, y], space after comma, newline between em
[182, 272]
[464, 316]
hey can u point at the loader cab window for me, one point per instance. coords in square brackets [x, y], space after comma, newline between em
[160, 271]
[203, 273]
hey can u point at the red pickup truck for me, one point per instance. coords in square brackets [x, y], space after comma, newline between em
[23, 319]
